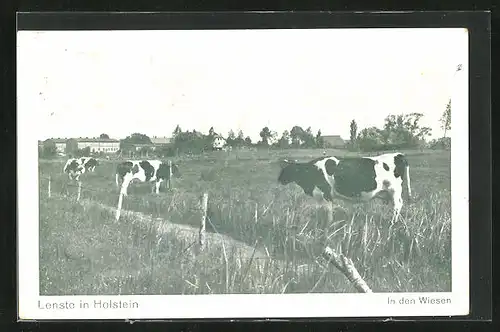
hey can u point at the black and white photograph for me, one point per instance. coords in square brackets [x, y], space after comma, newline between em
[243, 173]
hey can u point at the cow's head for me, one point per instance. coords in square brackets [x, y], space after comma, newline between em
[164, 169]
[288, 172]
[175, 171]
[72, 166]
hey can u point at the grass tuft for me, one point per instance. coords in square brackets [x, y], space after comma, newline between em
[264, 238]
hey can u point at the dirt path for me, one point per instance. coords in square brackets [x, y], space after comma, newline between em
[189, 233]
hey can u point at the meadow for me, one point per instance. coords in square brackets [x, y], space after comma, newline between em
[263, 237]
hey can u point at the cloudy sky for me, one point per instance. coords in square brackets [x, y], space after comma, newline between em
[84, 83]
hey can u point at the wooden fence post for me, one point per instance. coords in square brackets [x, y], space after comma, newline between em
[79, 190]
[346, 266]
[119, 207]
[49, 186]
[204, 208]
[256, 213]
[169, 182]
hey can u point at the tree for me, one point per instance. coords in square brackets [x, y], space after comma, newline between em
[177, 131]
[353, 135]
[354, 130]
[296, 134]
[284, 141]
[265, 134]
[136, 138]
[71, 146]
[104, 136]
[231, 138]
[320, 141]
[240, 140]
[370, 139]
[308, 138]
[404, 130]
[446, 119]
[248, 141]
[49, 149]
[273, 139]
[211, 132]
[192, 142]
[85, 152]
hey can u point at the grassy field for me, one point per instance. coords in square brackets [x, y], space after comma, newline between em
[264, 237]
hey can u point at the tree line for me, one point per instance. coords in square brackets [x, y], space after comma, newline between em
[402, 131]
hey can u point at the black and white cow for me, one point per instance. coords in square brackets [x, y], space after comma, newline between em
[145, 171]
[75, 167]
[355, 179]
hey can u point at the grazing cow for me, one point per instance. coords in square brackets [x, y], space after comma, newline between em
[75, 167]
[144, 171]
[355, 179]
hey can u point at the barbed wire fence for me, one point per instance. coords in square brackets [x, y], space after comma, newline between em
[330, 256]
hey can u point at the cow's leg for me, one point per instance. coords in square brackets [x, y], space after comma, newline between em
[125, 183]
[397, 203]
[330, 206]
[157, 185]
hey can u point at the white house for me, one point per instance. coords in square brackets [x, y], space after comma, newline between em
[219, 142]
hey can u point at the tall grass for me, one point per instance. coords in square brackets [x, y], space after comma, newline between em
[280, 229]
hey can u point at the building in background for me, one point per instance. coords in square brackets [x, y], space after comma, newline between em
[160, 142]
[219, 142]
[334, 141]
[60, 144]
[96, 145]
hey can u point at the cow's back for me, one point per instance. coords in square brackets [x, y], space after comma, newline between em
[354, 177]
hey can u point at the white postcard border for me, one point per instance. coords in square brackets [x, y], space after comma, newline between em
[244, 306]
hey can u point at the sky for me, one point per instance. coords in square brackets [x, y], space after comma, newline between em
[85, 83]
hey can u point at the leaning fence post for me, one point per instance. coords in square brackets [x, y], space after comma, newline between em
[79, 190]
[119, 207]
[49, 187]
[204, 208]
[346, 266]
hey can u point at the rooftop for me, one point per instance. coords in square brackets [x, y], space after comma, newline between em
[333, 139]
[95, 139]
[160, 140]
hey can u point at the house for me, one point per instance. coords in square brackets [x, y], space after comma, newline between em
[142, 146]
[333, 141]
[96, 145]
[159, 142]
[60, 143]
[219, 142]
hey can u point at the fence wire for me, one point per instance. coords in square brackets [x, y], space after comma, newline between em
[75, 184]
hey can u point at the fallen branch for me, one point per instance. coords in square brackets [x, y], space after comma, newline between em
[346, 266]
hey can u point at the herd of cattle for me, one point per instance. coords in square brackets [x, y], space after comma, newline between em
[354, 179]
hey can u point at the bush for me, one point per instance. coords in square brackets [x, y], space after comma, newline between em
[48, 150]
[443, 143]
